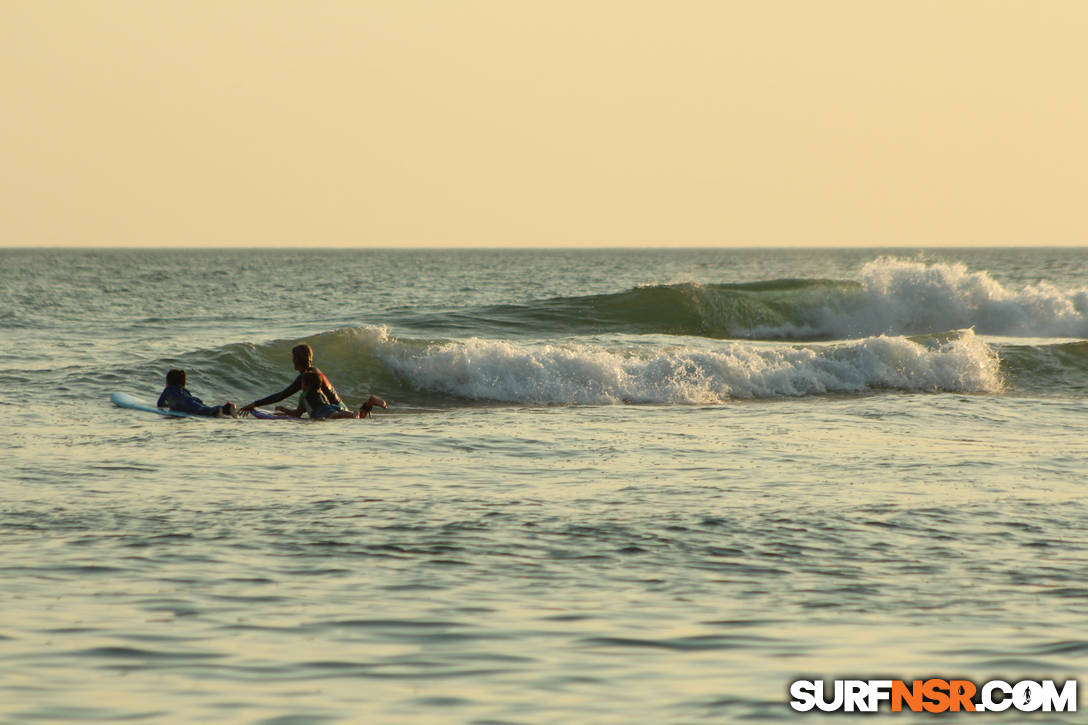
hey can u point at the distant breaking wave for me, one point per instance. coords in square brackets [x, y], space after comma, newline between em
[893, 297]
[913, 298]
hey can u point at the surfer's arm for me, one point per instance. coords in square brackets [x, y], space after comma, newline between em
[276, 397]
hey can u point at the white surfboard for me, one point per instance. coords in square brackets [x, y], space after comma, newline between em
[124, 400]
[131, 402]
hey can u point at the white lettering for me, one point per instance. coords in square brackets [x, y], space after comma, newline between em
[804, 695]
[879, 690]
[821, 697]
[856, 695]
[1027, 696]
[1065, 701]
[988, 702]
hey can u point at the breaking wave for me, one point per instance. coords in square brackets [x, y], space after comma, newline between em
[893, 297]
[888, 331]
[450, 373]
[593, 374]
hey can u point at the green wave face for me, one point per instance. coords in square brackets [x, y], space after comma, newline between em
[893, 297]
[1059, 369]
[777, 308]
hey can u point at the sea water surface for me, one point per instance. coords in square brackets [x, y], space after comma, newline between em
[612, 486]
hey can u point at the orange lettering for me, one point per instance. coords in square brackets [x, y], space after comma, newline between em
[912, 695]
[961, 693]
[937, 692]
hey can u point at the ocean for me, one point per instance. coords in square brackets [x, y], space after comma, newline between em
[611, 486]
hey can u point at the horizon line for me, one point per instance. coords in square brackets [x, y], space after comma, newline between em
[511, 247]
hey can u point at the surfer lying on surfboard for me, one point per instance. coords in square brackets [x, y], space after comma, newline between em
[176, 397]
[313, 402]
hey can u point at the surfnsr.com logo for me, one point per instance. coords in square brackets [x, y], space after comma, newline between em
[933, 695]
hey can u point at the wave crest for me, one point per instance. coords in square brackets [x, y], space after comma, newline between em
[913, 298]
[585, 374]
[893, 297]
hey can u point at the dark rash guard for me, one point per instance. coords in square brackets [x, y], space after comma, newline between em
[326, 388]
[178, 398]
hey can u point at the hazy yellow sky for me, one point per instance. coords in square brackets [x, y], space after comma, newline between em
[558, 122]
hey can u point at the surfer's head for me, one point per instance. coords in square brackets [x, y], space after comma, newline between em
[311, 381]
[175, 377]
[303, 357]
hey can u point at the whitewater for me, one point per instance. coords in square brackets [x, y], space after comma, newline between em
[611, 486]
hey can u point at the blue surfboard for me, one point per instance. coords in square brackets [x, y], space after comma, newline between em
[131, 402]
[124, 400]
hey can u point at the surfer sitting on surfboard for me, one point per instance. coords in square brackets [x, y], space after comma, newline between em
[314, 402]
[175, 397]
[303, 358]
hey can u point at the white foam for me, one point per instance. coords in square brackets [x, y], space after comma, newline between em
[591, 374]
[902, 297]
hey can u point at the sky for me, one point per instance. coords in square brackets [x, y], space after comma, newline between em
[543, 123]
